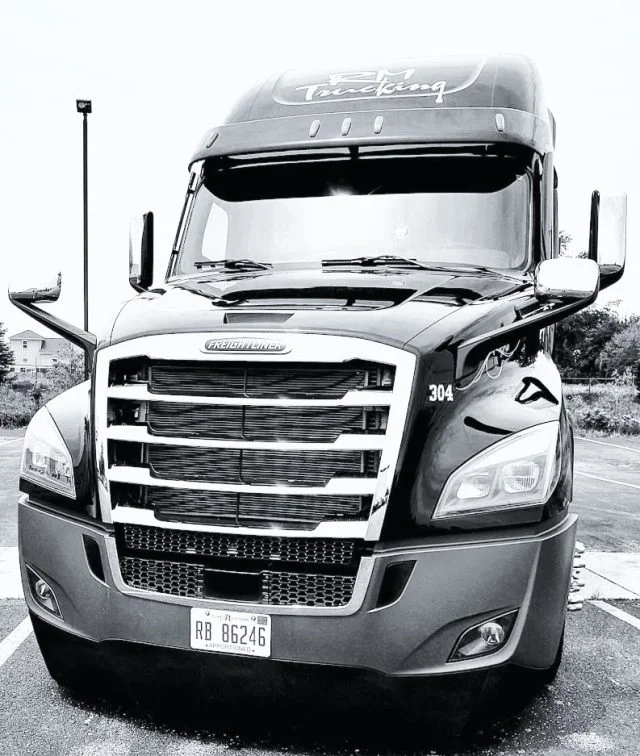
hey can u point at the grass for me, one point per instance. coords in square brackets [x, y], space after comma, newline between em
[603, 408]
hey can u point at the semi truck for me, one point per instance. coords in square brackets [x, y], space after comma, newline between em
[334, 435]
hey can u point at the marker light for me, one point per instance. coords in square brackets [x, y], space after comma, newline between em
[519, 471]
[484, 638]
[45, 458]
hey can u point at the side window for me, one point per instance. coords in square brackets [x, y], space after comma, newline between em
[24, 344]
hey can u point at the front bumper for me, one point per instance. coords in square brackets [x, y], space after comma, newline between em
[452, 587]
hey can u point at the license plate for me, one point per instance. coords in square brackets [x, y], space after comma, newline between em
[231, 632]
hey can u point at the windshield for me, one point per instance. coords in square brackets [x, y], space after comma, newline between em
[462, 210]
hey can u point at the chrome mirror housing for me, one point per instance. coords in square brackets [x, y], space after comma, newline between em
[567, 278]
[608, 235]
[45, 291]
[141, 252]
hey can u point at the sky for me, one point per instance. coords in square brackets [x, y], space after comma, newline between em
[160, 74]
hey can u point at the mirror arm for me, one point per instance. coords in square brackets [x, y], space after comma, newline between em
[545, 315]
[83, 339]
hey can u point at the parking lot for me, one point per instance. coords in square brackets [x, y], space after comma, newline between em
[591, 708]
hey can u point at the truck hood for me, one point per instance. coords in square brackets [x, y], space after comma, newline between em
[393, 306]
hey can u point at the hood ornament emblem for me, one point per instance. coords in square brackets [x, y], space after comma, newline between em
[246, 345]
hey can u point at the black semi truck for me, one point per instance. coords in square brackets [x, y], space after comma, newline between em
[334, 434]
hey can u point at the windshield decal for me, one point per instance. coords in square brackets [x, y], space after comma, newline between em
[379, 84]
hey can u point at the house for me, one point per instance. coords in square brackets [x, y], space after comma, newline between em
[32, 352]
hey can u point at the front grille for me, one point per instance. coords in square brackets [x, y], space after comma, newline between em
[267, 380]
[277, 588]
[306, 424]
[327, 551]
[257, 443]
[259, 466]
[287, 571]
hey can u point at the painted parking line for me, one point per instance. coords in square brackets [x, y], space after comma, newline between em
[619, 613]
[607, 480]
[606, 443]
[15, 638]
[10, 581]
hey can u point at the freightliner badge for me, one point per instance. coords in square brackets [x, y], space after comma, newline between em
[260, 346]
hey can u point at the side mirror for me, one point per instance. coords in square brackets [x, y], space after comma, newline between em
[26, 300]
[567, 278]
[141, 252]
[608, 235]
[48, 291]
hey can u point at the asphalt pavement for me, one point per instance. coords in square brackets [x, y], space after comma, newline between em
[592, 708]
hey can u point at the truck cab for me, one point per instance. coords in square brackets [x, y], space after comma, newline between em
[334, 434]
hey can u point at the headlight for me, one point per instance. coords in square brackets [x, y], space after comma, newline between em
[45, 458]
[516, 472]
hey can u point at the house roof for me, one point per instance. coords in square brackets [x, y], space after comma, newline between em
[26, 335]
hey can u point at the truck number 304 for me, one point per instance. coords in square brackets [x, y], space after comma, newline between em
[440, 392]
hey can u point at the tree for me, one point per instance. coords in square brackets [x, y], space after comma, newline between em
[6, 355]
[68, 372]
[581, 339]
[623, 351]
[565, 242]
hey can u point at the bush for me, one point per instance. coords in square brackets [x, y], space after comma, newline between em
[603, 408]
[16, 409]
[21, 398]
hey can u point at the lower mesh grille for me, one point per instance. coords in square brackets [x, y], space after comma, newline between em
[302, 589]
[278, 588]
[174, 578]
[266, 548]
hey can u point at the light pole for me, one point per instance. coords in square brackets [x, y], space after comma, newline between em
[84, 107]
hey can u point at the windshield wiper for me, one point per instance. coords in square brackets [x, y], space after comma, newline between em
[232, 264]
[377, 260]
[399, 260]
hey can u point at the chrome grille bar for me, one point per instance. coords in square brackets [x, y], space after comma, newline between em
[141, 476]
[350, 399]
[140, 434]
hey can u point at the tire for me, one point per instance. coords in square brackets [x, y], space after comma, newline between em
[73, 662]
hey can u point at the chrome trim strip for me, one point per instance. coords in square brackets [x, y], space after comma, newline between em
[363, 579]
[442, 544]
[305, 347]
[336, 486]
[364, 398]
[347, 441]
[339, 529]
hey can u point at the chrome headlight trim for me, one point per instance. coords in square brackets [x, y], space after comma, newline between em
[537, 445]
[46, 460]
